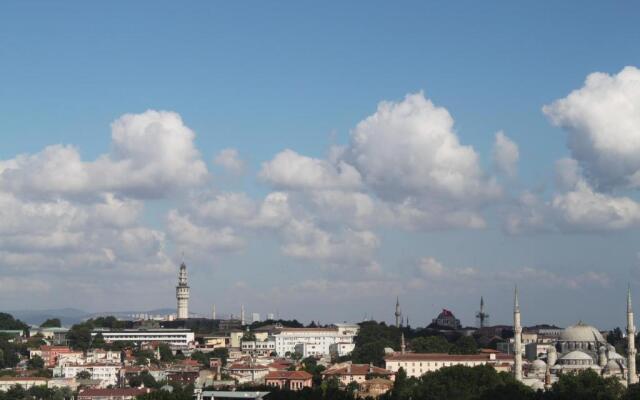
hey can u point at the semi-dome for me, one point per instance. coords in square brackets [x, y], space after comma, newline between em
[576, 355]
[613, 367]
[581, 332]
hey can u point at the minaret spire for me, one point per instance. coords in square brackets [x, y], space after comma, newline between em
[517, 337]
[631, 342]
[402, 344]
[398, 313]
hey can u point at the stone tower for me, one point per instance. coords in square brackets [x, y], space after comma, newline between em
[517, 338]
[398, 313]
[631, 343]
[182, 293]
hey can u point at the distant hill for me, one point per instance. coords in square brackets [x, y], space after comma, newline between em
[70, 316]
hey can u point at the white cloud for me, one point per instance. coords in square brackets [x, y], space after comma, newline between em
[230, 160]
[505, 155]
[603, 122]
[198, 239]
[410, 148]
[152, 154]
[304, 240]
[290, 170]
[585, 209]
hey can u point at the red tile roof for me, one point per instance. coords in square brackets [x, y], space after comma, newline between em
[297, 375]
[358, 369]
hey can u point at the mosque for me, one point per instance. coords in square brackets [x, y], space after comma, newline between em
[578, 347]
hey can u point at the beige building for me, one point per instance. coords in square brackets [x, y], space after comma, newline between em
[359, 373]
[417, 364]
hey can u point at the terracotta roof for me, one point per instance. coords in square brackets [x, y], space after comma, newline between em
[357, 369]
[447, 357]
[115, 392]
[302, 375]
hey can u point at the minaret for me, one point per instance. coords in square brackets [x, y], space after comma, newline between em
[402, 344]
[213, 314]
[631, 343]
[517, 338]
[482, 316]
[182, 293]
[398, 313]
[242, 315]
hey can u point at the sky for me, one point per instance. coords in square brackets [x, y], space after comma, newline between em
[316, 161]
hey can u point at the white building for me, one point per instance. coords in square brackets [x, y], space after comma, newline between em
[259, 347]
[417, 364]
[174, 337]
[106, 374]
[6, 382]
[313, 341]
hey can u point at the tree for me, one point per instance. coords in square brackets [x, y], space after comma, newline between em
[98, 341]
[248, 337]
[7, 322]
[464, 345]
[586, 385]
[51, 323]
[35, 362]
[430, 344]
[83, 375]
[221, 353]
[372, 352]
[165, 352]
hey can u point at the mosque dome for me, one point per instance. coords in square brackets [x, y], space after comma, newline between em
[614, 367]
[576, 355]
[581, 332]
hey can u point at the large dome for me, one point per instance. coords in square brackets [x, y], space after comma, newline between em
[581, 333]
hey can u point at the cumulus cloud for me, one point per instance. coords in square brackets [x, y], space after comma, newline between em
[230, 160]
[290, 170]
[410, 148]
[505, 155]
[404, 166]
[304, 240]
[201, 240]
[152, 154]
[603, 122]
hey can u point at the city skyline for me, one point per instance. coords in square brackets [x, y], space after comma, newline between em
[322, 162]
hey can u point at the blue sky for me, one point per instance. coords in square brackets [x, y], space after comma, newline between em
[263, 77]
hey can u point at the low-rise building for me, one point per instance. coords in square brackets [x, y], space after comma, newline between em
[313, 341]
[292, 380]
[112, 394]
[50, 354]
[375, 387]
[174, 337]
[6, 382]
[347, 373]
[417, 364]
[247, 372]
[105, 373]
[259, 347]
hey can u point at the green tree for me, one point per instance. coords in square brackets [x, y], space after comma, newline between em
[586, 385]
[51, 323]
[464, 345]
[248, 337]
[98, 341]
[165, 352]
[430, 344]
[83, 375]
[35, 362]
[7, 322]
